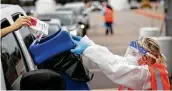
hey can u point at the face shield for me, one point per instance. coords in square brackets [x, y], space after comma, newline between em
[135, 51]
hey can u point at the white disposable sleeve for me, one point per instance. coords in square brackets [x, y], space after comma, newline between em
[116, 69]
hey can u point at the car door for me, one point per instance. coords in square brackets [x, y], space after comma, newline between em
[12, 59]
[25, 39]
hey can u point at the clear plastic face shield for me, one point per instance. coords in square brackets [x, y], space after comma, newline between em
[135, 51]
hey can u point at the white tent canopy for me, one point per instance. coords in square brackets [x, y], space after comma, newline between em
[119, 4]
[45, 6]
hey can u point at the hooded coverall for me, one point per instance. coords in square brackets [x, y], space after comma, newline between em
[125, 71]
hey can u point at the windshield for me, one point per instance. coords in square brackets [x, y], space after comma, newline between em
[66, 19]
[53, 28]
[77, 10]
[95, 3]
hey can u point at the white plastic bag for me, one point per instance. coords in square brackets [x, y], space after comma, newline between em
[38, 28]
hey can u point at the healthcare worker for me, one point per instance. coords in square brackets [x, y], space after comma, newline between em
[142, 68]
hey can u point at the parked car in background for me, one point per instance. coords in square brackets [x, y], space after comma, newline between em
[67, 19]
[81, 13]
[58, 5]
[79, 10]
[76, 7]
[45, 6]
[134, 4]
[54, 26]
[96, 5]
[28, 9]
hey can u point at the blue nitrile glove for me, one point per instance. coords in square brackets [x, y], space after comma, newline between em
[80, 45]
[76, 38]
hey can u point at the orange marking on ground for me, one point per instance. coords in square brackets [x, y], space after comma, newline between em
[150, 14]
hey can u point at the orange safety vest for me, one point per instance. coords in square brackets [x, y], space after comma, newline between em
[159, 78]
[108, 17]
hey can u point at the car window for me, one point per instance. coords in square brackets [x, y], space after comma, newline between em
[16, 16]
[11, 57]
[28, 38]
[4, 23]
[66, 19]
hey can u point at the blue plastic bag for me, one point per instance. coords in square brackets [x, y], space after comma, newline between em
[50, 46]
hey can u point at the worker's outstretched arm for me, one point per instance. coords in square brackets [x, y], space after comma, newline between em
[117, 68]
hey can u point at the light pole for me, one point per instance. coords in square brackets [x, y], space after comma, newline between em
[168, 17]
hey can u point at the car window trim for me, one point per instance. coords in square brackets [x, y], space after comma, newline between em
[24, 59]
[17, 13]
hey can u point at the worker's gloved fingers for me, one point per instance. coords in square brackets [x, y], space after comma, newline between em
[77, 47]
[77, 38]
[75, 42]
[77, 50]
[80, 47]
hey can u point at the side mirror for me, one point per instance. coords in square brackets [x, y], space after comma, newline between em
[42, 79]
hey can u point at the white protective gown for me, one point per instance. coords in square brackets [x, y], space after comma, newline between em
[120, 70]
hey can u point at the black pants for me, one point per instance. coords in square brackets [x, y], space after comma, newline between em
[109, 27]
[84, 32]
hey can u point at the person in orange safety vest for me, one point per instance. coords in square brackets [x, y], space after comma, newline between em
[108, 18]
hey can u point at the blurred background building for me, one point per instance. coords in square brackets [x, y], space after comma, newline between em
[31, 2]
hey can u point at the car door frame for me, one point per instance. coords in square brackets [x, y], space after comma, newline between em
[27, 56]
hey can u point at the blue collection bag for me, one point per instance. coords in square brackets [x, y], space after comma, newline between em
[50, 46]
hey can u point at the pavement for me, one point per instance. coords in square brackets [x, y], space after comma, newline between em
[126, 28]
